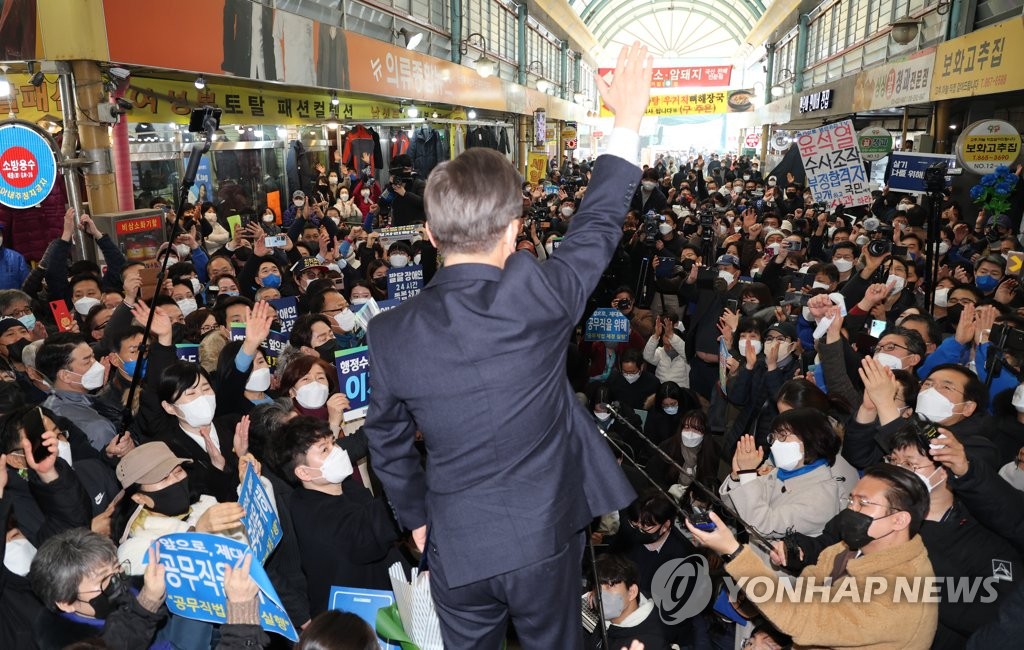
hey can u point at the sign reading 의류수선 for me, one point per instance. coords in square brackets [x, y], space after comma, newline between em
[262, 525]
[906, 171]
[194, 574]
[28, 167]
[353, 366]
[607, 324]
[832, 162]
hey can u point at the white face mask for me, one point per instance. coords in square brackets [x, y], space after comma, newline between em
[312, 395]
[268, 218]
[187, 306]
[774, 248]
[671, 410]
[896, 282]
[903, 207]
[631, 377]
[93, 377]
[345, 319]
[934, 405]
[417, 258]
[199, 412]
[602, 417]
[211, 216]
[259, 380]
[818, 285]
[1018, 399]
[785, 347]
[745, 344]
[18, 556]
[649, 185]
[333, 180]
[787, 455]
[843, 265]
[942, 297]
[772, 182]
[343, 197]
[364, 193]
[567, 211]
[728, 277]
[85, 303]
[889, 361]
[943, 247]
[182, 250]
[664, 228]
[927, 480]
[398, 260]
[337, 466]
[360, 301]
[613, 603]
[691, 438]
[64, 451]
[298, 203]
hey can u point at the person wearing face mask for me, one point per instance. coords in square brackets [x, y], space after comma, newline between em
[664, 416]
[85, 279]
[648, 196]
[803, 489]
[213, 232]
[706, 306]
[86, 597]
[346, 535]
[844, 258]
[665, 352]
[243, 373]
[631, 616]
[68, 363]
[988, 273]
[347, 209]
[268, 222]
[306, 271]
[692, 450]
[879, 529]
[649, 538]
[633, 384]
[157, 501]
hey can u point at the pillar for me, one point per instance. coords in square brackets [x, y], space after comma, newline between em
[524, 56]
[942, 133]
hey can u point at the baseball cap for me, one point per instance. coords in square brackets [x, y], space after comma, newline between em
[298, 194]
[784, 328]
[787, 225]
[773, 231]
[306, 264]
[148, 463]
[1001, 220]
[8, 323]
[727, 260]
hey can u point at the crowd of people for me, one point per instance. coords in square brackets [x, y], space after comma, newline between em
[795, 370]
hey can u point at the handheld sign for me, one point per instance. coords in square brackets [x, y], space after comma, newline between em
[261, 522]
[287, 312]
[404, 283]
[188, 352]
[353, 368]
[364, 603]
[194, 564]
[835, 171]
[906, 171]
[237, 331]
[389, 236]
[61, 315]
[607, 324]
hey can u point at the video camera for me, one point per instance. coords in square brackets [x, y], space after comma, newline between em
[571, 184]
[935, 176]
[651, 222]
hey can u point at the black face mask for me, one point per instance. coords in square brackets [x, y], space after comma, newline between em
[104, 602]
[381, 283]
[173, 500]
[853, 528]
[640, 537]
[15, 349]
[750, 308]
[953, 314]
[327, 350]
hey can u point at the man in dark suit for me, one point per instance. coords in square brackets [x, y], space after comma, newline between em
[516, 468]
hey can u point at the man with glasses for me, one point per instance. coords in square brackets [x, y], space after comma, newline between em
[77, 576]
[879, 546]
[900, 348]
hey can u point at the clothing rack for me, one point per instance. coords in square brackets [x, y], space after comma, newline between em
[416, 121]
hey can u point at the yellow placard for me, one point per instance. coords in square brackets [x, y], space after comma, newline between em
[536, 167]
[983, 62]
[709, 103]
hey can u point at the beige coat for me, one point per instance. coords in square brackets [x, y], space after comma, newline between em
[878, 623]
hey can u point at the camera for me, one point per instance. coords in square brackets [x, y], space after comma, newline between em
[571, 184]
[622, 305]
[923, 428]
[935, 176]
[879, 247]
[651, 222]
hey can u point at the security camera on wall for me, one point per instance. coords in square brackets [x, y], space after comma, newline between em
[119, 73]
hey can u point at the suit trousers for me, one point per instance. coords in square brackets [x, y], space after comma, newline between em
[542, 599]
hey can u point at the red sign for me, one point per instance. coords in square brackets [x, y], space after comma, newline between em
[710, 76]
[131, 226]
[753, 140]
[598, 134]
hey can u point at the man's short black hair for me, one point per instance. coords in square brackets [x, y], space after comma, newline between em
[83, 277]
[55, 353]
[915, 342]
[974, 391]
[614, 570]
[652, 508]
[293, 440]
[220, 311]
[933, 329]
[905, 492]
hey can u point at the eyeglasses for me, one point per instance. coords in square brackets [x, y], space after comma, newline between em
[779, 339]
[122, 569]
[781, 435]
[99, 326]
[890, 347]
[18, 313]
[905, 465]
[847, 502]
[963, 301]
[206, 329]
[941, 386]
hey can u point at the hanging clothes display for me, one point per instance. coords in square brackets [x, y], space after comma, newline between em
[482, 136]
[332, 58]
[503, 145]
[429, 148]
[297, 167]
[400, 143]
[459, 140]
[362, 150]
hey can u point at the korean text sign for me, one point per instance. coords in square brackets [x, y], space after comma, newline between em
[832, 162]
[404, 283]
[194, 564]
[608, 325]
[287, 312]
[906, 172]
[353, 368]
[261, 522]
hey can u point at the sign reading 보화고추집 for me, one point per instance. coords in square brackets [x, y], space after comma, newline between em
[28, 167]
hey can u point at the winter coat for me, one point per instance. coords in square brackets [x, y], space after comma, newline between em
[666, 366]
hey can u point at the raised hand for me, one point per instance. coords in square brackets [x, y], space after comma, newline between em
[835, 328]
[161, 322]
[949, 451]
[240, 441]
[984, 320]
[630, 90]
[239, 587]
[220, 517]
[748, 455]
[46, 468]
[216, 457]
[88, 227]
[257, 326]
[153, 586]
[965, 328]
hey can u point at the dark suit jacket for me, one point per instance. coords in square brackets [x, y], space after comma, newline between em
[515, 465]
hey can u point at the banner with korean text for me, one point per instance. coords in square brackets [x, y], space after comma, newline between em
[832, 162]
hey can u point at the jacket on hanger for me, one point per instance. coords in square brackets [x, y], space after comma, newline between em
[429, 148]
[401, 143]
[362, 149]
[482, 136]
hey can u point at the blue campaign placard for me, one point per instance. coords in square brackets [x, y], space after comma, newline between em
[287, 312]
[28, 168]
[607, 324]
[261, 522]
[364, 603]
[353, 368]
[385, 305]
[406, 282]
[237, 331]
[906, 171]
[187, 352]
[194, 564]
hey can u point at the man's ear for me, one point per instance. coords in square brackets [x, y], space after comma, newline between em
[970, 408]
[901, 520]
[66, 607]
[913, 360]
[430, 235]
[633, 593]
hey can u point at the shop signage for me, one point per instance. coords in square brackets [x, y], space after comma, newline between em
[874, 143]
[536, 167]
[895, 84]
[906, 173]
[711, 103]
[781, 140]
[983, 62]
[28, 167]
[569, 131]
[713, 76]
[987, 144]
[540, 128]
[835, 172]
[753, 140]
[820, 100]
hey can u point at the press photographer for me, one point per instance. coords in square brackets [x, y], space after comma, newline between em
[406, 189]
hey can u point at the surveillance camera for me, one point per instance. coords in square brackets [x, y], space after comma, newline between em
[124, 104]
[108, 113]
[119, 73]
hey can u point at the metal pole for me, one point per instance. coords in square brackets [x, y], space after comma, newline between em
[69, 147]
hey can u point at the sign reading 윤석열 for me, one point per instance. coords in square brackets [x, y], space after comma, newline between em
[835, 171]
[28, 168]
